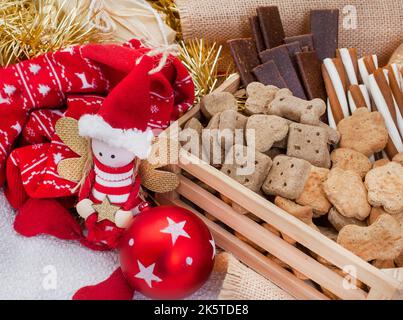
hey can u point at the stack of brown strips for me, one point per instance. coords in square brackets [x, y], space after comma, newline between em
[287, 62]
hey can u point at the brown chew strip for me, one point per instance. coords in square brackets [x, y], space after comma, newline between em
[245, 56]
[268, 74]
[271, 26]
[354, 59]
[383, 85]
[331, 93]
[257, 33]
[370, 64]
[390, 149]
[325, 31]
[342, 72]
[281, 58]
[304, 40]
[293, 48]
[394, 86]
[357, 96]
[311, 74]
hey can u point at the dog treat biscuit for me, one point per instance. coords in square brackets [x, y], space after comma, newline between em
[380, 163]
[349, 159]
[339, 221]
[364, 132]
[287, 177]
[313, 194]
[194, 124]
[259, 97]
[248, 167]
[303, 213]
[296, 109]
[267, 130]
[398, 158]
[346, 191]
[217, 102]
[385, 187]
[309, 143]
[381, 240]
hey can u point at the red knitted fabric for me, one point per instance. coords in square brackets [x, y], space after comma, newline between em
[34, 94]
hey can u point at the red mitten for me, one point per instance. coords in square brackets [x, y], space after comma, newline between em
[42, 216]
[114, 288]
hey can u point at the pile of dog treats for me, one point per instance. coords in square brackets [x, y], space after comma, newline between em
[328, 136]
[340, 193]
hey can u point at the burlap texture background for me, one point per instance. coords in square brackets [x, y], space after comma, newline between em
[379, 22]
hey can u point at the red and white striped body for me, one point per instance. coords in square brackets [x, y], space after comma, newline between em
[116, 183]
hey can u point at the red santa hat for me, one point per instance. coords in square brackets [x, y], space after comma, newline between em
[124, 117]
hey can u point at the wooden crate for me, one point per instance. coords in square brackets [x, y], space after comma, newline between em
[382, 284]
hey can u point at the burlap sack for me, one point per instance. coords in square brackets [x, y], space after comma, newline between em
[242, 283]
[379, 27]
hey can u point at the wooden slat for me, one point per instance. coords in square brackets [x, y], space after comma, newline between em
[253, 259]
[303, 234]
[267, 240]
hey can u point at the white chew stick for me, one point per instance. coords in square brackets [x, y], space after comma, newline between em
[365, 94]
[363, 70]
[399, 119]
[351, 102]
[398, 75]
[338, 85]
[348, 65]
[384, 110]
[330, 118]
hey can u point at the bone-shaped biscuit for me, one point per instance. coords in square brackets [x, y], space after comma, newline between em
[266, 131]
[381, 240]
[296, 109]
[216, 102]
[259, 97]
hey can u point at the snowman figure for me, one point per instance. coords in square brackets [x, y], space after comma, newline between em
[110, 193]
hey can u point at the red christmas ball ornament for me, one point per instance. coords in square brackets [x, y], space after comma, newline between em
[167, 253]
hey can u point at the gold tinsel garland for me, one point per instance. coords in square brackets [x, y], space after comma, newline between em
[29, 28]
[201, 58]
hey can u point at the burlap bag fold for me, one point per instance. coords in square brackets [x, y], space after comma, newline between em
[242, 283]
[379, 27]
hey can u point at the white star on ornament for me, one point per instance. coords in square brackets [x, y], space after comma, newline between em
[43, 89]
[57, 157]
[175, 229]
[147, 274]
[213, 245]
[9, 89]
[34, 68]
